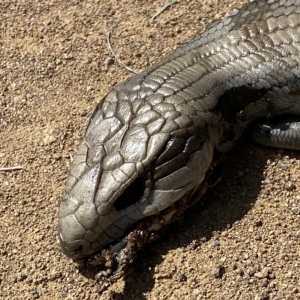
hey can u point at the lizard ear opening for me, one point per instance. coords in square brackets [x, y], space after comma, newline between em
[131, 195]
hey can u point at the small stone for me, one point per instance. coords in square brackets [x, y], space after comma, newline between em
[283, 166]
[251, 271]
[182, 277]
[271, 276]
[215, 243]
[223, 259]
[248, 262]
[259, 275]
[216, 272]
[289, 186]
[258, 238]
[56, 156]
[87, 60]
[34, 293]
[264, 282]
[29, 96]
[245, 256]
[181, 259]
[54, 275]
[239, 272]
[109, 61]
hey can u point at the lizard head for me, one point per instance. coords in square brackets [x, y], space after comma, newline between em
[136, 160]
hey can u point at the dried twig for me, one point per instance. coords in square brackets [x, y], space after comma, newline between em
[116, 57]
[11, 169]
[162, 9]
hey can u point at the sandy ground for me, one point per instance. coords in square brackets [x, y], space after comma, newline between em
[242, 242]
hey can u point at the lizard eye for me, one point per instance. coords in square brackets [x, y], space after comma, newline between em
[131, 195]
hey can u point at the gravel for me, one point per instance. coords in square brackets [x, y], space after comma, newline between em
[241, 242]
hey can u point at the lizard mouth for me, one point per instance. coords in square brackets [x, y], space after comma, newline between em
[115, 258]
[114, 261]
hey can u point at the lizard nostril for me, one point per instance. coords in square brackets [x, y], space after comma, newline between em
[131, 195]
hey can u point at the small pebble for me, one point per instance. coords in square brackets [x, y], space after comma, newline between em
[215, 243]
[182, 277]
[216, 272]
